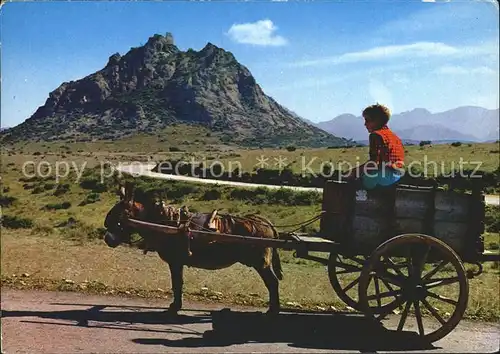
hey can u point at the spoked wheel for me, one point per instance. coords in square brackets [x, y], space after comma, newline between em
[428, 281]
[344, 273]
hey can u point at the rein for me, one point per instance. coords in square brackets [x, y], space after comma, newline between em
[304, 223]
[301, 224]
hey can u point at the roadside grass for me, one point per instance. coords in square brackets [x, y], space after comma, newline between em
[491, 240]
[30, 261]
[127, 269]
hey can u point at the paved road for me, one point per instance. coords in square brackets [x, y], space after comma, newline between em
[51, 322]
[145, 170]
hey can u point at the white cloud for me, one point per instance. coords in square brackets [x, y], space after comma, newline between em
[258, 33]
[380, 93]
[413, 50]
[421, 49]
[325, 80]
[460, 70]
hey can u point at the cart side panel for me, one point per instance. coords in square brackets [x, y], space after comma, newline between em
[453, 233]
[451, 207]
[403, 225]
[338, 203]
[361, 224]
[372, 221]
[412, 203]
[368, 233]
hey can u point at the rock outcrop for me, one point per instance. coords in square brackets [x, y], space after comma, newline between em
[157, 84]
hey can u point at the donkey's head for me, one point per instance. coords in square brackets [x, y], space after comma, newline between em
[115, 222]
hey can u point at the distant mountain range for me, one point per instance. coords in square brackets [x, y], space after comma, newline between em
[466, 124]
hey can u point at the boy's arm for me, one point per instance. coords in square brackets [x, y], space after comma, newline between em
[376, 144]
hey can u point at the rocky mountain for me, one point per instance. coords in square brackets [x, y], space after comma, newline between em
[461, 124]
[157, 84]
[434, 132]
[348, 125]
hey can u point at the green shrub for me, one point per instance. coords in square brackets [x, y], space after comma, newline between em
[308, 198]
[212, 194]
[94, 184]
[38, 190]
[493, 246]
[57, 206]
[49, 186]
[90, 198]
[456, 144]
[145, 189]
[7, 200]
[15, 222]
[31, 179]
[280, 196]
[61, 189]
[492, 218]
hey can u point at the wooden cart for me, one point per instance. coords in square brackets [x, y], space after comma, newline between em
[397, 254]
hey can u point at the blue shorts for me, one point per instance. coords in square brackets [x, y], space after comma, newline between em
[382, 177]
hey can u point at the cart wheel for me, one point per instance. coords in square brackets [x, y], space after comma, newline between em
[344, 273]
[410, 263]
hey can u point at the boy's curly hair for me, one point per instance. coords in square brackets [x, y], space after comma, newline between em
[377, 112]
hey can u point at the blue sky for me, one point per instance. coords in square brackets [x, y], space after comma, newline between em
[319, 59]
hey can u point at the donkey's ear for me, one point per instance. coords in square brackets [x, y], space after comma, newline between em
[129, 191]
[121, 192]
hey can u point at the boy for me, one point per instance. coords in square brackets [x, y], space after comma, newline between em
[386, 162]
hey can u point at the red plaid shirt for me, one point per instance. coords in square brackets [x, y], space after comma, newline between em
[385, 146]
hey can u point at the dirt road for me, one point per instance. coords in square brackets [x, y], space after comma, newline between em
[49, 322]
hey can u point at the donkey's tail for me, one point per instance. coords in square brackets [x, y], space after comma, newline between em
[276, 262]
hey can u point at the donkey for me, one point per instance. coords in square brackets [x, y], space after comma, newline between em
[205, 254]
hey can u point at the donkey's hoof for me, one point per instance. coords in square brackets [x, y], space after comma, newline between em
[170, 312]
[173, 310]
[273, 311]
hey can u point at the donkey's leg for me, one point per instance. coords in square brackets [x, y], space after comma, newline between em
[176, 275]
[272, 285]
